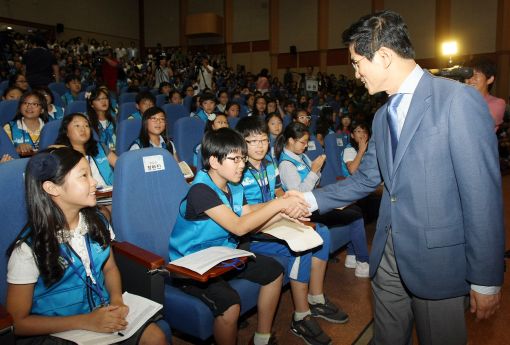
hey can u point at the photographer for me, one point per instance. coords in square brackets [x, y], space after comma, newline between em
[205, 75]
[484, 73]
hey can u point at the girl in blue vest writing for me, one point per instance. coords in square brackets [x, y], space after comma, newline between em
[215, 213]
[25, 130]
[61, 273]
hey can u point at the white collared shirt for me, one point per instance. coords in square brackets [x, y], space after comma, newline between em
[407, 88]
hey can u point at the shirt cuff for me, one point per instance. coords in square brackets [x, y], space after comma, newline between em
[484, 290]
[310, 199]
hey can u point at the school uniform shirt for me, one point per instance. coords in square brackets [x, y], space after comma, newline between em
[22, 268]
[136, 145]
[56, 113]
[95, 172]
[290, 177]
[202, 198]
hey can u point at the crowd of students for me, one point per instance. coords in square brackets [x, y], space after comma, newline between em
[246, 183]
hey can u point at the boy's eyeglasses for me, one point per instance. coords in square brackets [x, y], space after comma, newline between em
[29, 104]
[257, 142]
[308, 117]
[238, 159]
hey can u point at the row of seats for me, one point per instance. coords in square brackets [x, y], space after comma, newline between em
[145, 206]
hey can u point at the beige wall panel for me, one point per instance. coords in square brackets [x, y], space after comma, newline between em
[251, 20]
[474, 25]
[203, 6]
[78, 15]
[298, 25]
[343, 13]
[253, 62]
[420, 18]
[162, 23]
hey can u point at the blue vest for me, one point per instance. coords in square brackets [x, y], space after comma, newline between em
[68, 98]
[258, 189]
[103, 165]
[302, 169]
[135, 115]
[197, 156]
[202, 115]
[71, 295]
[20, 136]
[345, 171]
[107, 135]
[189, 236]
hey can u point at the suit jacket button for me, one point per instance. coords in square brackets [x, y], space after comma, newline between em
[393, 198]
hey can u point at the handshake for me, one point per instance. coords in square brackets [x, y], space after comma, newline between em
[294, 206]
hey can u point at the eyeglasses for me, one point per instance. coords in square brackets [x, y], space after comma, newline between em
[157, 119]
[308, 117]
[101, 98]
[21, 81]
[257, 142]
[355, 63]
[238, 159]
[28, 104]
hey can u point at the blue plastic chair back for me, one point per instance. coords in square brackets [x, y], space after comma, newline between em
[333, 147]
[6, 145]
[57, 101]
[59, 88]
[76, 107]
[127, 97]
[7, 111]
[49, 134]
[3, 86]
[13, 206]
[173, 113]
[125, 110]
[127, 132]
[314, 149]
[232, 121]
[187, 103]
[161, 100]
[187, 133]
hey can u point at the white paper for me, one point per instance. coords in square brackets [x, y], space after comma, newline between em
[205, 259]
[299, 237]
[339, 142]
[153, 163]
[311, 145]
[186, 170]
[141, 309]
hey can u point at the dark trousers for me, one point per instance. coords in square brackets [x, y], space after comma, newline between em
[438, 322]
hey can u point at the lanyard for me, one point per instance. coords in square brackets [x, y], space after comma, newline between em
[263, 184]
[90, 285]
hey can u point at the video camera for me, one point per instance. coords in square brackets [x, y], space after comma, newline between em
[456, 72]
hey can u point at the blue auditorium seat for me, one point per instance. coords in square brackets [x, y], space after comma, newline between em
[145, 207]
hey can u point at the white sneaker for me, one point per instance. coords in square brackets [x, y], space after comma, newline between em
[350, 261]
[362, 269]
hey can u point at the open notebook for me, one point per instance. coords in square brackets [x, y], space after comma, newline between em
[141, 310]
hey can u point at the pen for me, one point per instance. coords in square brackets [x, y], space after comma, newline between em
[121, 334]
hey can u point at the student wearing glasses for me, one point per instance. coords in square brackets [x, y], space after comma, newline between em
[153, 132]
[215, 213]
[25, 130]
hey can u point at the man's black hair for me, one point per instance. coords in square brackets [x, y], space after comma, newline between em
[252, 125]
[382, 29]
[484, 65]
[220, 143]
[207, 96]
[71, 77]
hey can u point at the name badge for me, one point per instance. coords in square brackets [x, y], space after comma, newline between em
[311, 146]
[339, 142]
[153, 163]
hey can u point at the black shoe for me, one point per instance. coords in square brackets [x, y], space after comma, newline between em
[329, 311]
[309, 330]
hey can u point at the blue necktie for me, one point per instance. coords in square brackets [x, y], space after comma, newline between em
[393, 103]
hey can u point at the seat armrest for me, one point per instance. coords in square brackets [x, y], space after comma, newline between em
[143, 257]
[6, 322]
[218, 270]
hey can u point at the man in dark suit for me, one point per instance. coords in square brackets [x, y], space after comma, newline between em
[440, 234]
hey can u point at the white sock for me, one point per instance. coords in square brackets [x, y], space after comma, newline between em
[300, 316]
[316, 299]
[261, 338]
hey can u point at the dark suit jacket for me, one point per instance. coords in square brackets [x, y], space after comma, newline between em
[442, 195]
